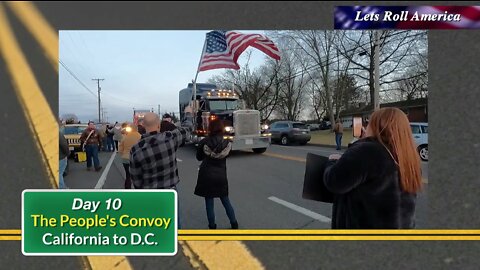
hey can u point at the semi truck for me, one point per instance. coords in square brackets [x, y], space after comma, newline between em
[138, 116]
[242, 126]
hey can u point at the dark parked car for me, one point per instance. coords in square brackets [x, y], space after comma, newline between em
[324, 125]
[313, 127]
[286, 132]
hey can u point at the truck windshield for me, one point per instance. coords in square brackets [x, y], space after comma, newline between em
[74, 130]
[222, 105]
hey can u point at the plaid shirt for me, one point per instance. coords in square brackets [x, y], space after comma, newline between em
[153, 160]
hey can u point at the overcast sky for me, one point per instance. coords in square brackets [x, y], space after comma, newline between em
[142, 69]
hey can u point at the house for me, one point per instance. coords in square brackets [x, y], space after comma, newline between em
[416, 111]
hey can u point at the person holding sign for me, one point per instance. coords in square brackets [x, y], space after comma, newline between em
[376, 180]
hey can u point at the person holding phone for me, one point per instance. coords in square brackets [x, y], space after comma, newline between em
[376, 180]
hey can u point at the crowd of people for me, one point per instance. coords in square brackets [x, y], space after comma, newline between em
[148, 155]
[374, 182]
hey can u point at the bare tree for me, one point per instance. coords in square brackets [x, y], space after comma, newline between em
[258, 88]
[292, 82]
[319, 47]
[396, 48]
[346, 91]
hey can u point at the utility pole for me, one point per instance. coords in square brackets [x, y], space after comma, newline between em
[376, 95]
[105, 115]
[158, 109]
[98, 84]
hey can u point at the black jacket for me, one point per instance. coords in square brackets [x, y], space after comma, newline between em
[367, 190]
[109, 131]
[212, 177]
[64, 151]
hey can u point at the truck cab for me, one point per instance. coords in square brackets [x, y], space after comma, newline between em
[242, 126]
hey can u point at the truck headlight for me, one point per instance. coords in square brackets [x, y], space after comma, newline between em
[265, 127]
[229, 129]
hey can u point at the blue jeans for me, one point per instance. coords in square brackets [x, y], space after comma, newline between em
[62, 165]
[110, 145]
[92, 153]
[209, 203]
[338, 141]
[104, 144]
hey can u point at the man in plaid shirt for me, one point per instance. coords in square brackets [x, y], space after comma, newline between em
[153, 160]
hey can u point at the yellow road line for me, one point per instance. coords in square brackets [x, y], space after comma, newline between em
[38, 113]
[227, 239]
[216, 255]
[109, 262]
[329, 231]
[304, 232]
[10, 238]
[424, 180]
[202, 250]
[39, 116]
[39, 27]
[10, 231]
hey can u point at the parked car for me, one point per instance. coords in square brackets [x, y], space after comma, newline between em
[72, 133]
[286, 132]
[420, 135]
[324, 125]
[314, 127]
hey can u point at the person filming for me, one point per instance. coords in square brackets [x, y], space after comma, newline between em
[376, 180]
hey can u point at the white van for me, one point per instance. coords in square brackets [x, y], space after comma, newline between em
[420, 134]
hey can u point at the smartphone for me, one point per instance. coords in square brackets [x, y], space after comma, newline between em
[357, 127]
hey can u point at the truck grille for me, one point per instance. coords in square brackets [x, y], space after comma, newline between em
[73, 141]
[246, 122]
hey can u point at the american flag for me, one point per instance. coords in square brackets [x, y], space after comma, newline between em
[223, 48]
[470, 17]
[345, 17]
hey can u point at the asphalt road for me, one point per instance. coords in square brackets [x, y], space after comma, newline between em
[260, 187]
[253, 181]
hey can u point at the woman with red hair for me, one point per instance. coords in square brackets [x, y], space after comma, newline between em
[376, 180]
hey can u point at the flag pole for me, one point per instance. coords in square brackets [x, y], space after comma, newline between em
[195, 84]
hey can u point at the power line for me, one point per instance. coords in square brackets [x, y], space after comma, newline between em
[128, 102]
[75, 55]
[91, 92]
[75, 77]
